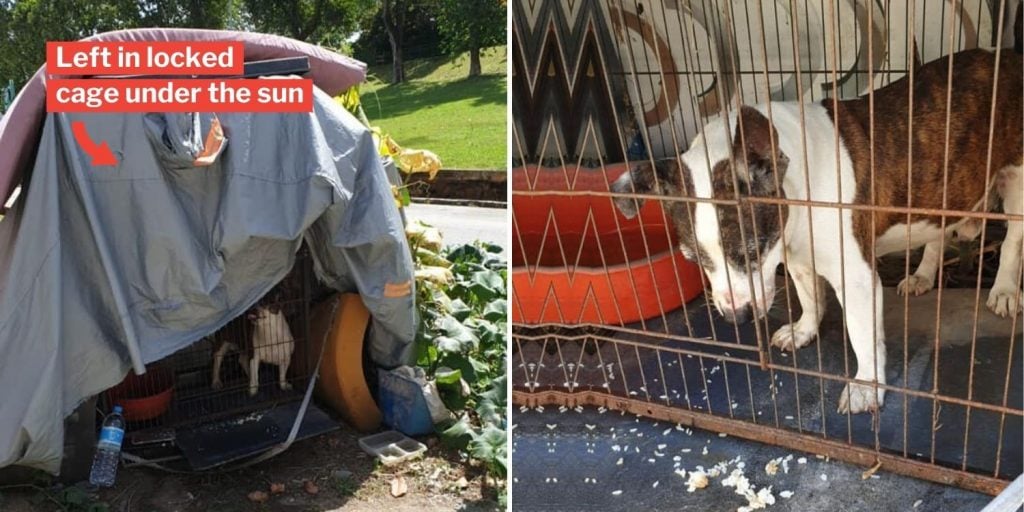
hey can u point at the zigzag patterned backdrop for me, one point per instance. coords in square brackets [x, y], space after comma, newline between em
[565, 83]
[588, 73]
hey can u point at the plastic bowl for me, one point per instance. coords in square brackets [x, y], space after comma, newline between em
[144, 397]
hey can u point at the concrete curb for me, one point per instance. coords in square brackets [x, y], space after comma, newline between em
[484, 186]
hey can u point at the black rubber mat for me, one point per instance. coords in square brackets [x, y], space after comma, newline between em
[806, 403]
[570, 461]
[216, 443]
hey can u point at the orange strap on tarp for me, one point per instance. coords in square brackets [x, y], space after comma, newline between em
[211, 148]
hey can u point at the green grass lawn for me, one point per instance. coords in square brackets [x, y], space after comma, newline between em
[439, 109]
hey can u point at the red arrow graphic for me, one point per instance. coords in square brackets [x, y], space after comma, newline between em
[100, 153]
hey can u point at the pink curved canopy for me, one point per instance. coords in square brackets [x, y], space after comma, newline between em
[19, 128]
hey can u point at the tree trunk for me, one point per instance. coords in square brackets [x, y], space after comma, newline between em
[474, 50]
[394, 25]
[474, 61]
[397, 64]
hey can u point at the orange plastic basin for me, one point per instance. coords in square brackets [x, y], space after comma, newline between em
[144, 397]
[576, 260]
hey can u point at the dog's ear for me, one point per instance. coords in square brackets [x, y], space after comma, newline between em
[663, 177]
[752, 145]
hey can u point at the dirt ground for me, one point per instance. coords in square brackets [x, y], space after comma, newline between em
[342, 476]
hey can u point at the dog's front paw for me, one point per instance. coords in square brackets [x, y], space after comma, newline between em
[285, 386]
[792, 336]
[253, 390]
[915, 285]
[217, 384]
[857, 398]
[1003, 301]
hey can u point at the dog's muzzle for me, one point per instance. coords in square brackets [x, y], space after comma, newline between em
[739, 315]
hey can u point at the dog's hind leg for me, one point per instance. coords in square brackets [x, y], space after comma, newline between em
[243, 361]
[282, 373]
[218, 358]
[800, 333]
[923, 279]
[254, 374]
[867, 334]
[1005, 297]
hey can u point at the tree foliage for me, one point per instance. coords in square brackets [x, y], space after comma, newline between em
[420, 38]
[326, 22]
[26, 25]
[213, 14]
[469, 25]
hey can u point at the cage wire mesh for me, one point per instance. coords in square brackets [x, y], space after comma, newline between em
[259, 360]
[607, 312]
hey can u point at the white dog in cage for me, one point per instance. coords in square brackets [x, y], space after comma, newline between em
[821, 154]
[272, 342]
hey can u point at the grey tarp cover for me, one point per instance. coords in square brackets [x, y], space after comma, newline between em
[19, 127]
[106, 268]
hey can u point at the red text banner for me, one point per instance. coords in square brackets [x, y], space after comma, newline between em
[179, 95]
[145, 58]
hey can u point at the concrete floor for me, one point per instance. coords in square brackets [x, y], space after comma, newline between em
[464, 224]
[569, 461]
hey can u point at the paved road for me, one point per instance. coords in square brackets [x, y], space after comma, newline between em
[464, 224]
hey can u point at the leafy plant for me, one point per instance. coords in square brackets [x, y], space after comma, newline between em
[460, 340]
[66, 499]
[461, 345]
[345, 486]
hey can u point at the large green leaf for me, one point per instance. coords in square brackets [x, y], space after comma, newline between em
[496, 310]
[451, 326]
[465, 254]
[457, 337]
[453, 398]
[448, 376]
[492, 248]
[493, 406]
[489, 446]
[426, 354]
[459, 434]
[479, 367]
[460, 310]
[489, 333]
[487, 285]
[449, 345]
[464, 363]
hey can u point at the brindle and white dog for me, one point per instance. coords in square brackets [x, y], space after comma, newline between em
[271, 342]
[767, 158]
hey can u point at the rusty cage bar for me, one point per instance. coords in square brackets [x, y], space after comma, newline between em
[607, 313]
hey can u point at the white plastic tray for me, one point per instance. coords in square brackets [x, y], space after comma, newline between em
[392, 447]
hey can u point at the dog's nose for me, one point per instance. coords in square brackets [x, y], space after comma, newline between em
[740, 315]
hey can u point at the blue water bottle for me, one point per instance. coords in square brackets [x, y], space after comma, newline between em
[108, 450]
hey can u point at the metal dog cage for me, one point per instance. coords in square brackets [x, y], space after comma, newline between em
[596, 84]
[176, 398]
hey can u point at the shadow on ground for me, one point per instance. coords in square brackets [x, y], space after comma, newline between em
[410, 97]
[343, 476]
